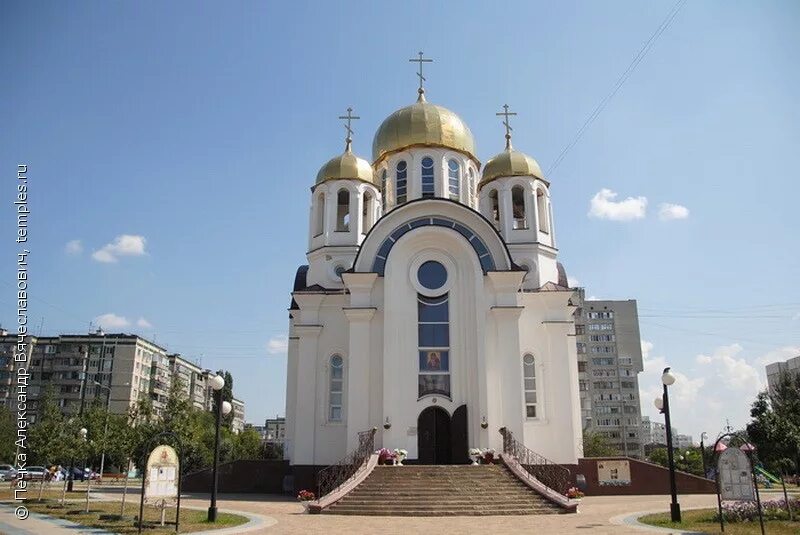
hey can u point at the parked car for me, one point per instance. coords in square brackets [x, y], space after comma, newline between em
[7, 472]
[35, 473]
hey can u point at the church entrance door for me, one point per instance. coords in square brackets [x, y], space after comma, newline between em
[433, 436]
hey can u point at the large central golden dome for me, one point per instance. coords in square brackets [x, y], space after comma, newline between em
[422, 124]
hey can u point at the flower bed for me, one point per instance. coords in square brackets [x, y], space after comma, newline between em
[748, 511]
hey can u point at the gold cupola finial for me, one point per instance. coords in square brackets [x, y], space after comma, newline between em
[507, 114]
[421, 89]
[349, 139]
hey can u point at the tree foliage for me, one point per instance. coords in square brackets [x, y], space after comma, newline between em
[597, 445]
[775, 425]
[688, 460]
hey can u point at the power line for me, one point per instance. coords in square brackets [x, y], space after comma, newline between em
[620, 81]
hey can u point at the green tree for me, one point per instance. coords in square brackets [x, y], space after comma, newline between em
[597, 445]
[8, 435]
[775, 424]
[52, 439]
[688, 460]
[247, 445]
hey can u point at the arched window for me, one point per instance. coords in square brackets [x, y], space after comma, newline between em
[319, 215]
[343, 211]
[454, 179]
[336, 389]
[518, 207]
[401, 182]
[366, 213]
[529, 373]
[541, 208]
[384, 193]
[494, 208]
[427, 177]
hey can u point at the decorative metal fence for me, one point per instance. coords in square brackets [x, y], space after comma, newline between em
[335, 475]
[549, 473]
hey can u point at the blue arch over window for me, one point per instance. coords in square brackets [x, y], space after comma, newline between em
[484, 256]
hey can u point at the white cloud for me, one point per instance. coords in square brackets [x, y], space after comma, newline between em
[123, 245]
[111, 321]
[778, 355]
[668, 212]
[603, 206]
[74, 247]
[144, 324]
[573, 282]
[732, 370]
[278, 345]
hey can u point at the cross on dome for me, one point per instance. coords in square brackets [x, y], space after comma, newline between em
[421, 60]
[349, 117]
[505, 113]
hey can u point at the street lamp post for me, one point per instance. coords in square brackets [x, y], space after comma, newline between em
[662, 404]
[703, 435]
[222, 409]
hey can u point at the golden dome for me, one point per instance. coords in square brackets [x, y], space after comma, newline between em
[422, 124]
[510, 163]
[346, 166]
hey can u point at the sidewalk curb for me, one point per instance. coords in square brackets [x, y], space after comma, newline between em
[632, 520]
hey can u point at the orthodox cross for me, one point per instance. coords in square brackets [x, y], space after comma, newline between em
[505, 113]
[421, 60]
[347, 126]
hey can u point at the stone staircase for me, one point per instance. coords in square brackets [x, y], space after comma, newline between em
[439, 490]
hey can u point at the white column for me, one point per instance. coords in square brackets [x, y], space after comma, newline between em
[508, 358]
[305, 415]
[506, 215]
[331, 199]
[359, 358]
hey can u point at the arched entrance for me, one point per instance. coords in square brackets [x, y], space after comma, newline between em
[433, 436]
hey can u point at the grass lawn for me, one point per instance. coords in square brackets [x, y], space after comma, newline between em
[702, 520]
[103, 515]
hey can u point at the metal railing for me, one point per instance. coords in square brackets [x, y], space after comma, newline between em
[549, 473]
[334, 476]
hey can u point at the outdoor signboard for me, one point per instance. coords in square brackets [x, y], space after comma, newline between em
[735, 476]
[162, 472]
[614, 473]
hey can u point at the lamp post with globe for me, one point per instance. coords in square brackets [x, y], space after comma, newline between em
[662, 404]
[223, 408]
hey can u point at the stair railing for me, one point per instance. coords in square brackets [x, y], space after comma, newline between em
[551, 474]
[335, 475]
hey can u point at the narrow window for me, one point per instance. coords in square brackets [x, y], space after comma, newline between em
[336, 388]
[401, 177]
[529, 373]
[366, 213]
[319, 215]
[494, 207]
[518, 207]
[343, 211]
[427, 177]
[454, 179]
[541, 205]
[434, 345]
[384, 193]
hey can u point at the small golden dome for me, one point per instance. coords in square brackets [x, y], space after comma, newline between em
[510, 163]
[422, 124]
[346, 166]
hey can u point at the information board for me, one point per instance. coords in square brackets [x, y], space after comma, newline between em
[614, 473]
[735, 476]
[162, 473]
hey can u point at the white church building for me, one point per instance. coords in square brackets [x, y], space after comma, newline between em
[432, 305]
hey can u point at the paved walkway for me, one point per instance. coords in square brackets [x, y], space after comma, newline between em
[278, 515]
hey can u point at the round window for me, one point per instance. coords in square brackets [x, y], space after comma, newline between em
[339, 270]
[528, 360]
[336, 361]
[432, 275]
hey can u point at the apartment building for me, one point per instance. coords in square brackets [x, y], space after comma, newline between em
[237, 424]
[609, 361]
[275, 430]
[776, 369]
[117, 369]
[194, 380]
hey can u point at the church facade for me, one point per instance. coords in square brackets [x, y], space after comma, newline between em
[432, 305]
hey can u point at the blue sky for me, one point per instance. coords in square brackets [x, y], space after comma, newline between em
[200, 127]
